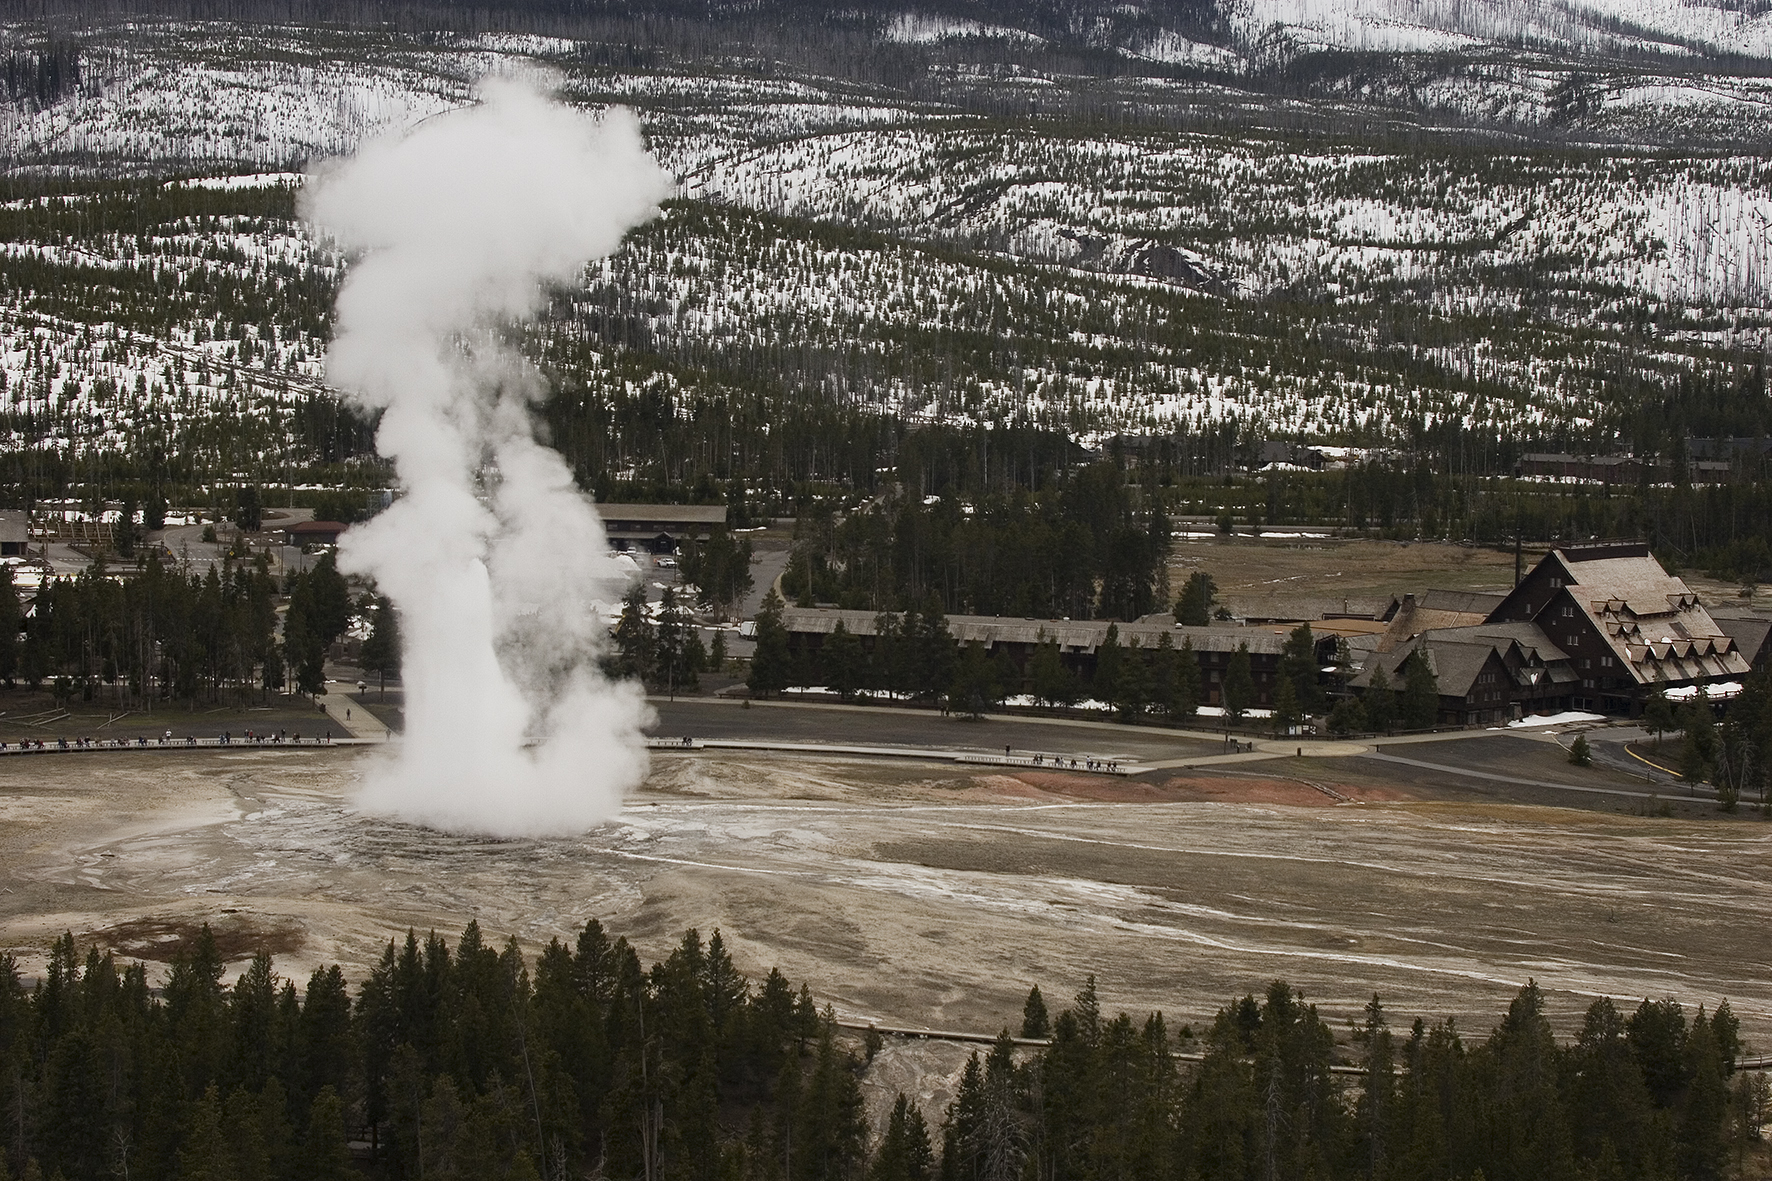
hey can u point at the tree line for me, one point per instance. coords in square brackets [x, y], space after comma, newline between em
[1735, 753]
[1089, 548]
[160, 635]
[474, 1061]
[1643, 1094]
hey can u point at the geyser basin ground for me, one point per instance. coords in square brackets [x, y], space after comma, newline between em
[918, 894]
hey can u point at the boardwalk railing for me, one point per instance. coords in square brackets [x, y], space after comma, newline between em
[64, 746]
[1041, 760]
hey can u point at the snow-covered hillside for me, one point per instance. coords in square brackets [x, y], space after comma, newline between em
[1435, 26]
[894, 247]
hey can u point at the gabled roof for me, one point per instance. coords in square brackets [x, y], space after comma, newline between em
[1748, 631]
[1651, 619]
[1456, 663]
[1465, 602]
[1432, 611]
[676, 514]
[1528, 638]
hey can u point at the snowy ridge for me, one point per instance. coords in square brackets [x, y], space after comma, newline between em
[1437, 26]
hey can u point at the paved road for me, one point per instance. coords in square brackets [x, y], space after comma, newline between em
[1645, 792]
[1483, 756]
[349, 714]
[862, 725]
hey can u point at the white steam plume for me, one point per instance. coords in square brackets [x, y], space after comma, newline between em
[492, 555]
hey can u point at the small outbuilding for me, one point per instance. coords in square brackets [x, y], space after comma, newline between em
[660, 528]
[313, 533]
[15, 533]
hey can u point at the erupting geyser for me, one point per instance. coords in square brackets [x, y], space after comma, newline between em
[493, 556]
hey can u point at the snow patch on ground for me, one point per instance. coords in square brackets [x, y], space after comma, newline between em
[1563, 719]
[912, 28]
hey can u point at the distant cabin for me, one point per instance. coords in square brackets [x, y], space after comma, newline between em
[313, 533]
[15, 533]
[660, 528]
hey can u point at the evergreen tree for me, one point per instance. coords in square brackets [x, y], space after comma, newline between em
[203, 1151]
[1034, 1021]
[1161, 673]
[1132, 685]
[1658, 711]
[1109, 658]
[1053, 683]
[770, 662]
[719, 569]
[677, 651]
[1703, 1147]
[636, 640]
[329, 602]
[304, 636]
[1526, 1128]
[842, 662]
[248, 509]
[974, 686]
[1187, 692]
[1609, 1105]
[11, 619]
[1238, 691]
[935, 651]
[326, 1149]
[1380, 701]
[381, 651]
[833, 1133]
[1298, 664]
[1378, 1093]
[1286, 713]
[1348, 716]
[904, 1153]
[1421, 692]
[1198, 594]
[1699, 745]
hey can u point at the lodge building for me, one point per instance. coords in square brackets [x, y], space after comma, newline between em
[1079, 641]
[1595, 628]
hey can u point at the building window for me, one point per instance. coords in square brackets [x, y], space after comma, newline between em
[1571, 641]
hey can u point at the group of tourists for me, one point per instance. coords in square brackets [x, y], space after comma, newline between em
[225, 738]
[1107, 766]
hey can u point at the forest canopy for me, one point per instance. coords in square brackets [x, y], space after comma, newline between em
[476, 1061]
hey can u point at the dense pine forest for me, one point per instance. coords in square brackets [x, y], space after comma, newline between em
[164, 636]
[473, 1061]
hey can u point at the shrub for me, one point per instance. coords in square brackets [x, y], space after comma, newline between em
[1579, 754]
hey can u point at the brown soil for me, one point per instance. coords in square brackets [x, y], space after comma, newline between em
[1301, 579]
[1301, 793]
[236, 936]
